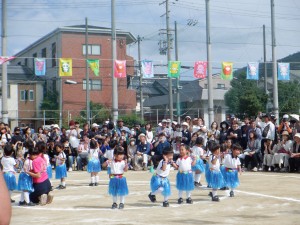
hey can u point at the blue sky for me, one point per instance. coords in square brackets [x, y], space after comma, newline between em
[236, 26]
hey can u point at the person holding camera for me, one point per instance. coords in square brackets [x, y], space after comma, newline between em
[285, 125]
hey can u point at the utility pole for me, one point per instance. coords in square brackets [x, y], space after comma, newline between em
[113, 58]
[88, 113]
[209, 66]
[178, 78]
[169, 58]
[4, 65]
[275, 81]
[141, 78]
[265, 61]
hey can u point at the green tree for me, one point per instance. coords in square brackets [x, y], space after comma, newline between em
[51, 107]
[99, 113]
[288, 96]
[245, 97]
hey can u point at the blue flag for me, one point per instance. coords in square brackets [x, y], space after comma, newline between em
[283, 71]
[252, 71]
[39, 66]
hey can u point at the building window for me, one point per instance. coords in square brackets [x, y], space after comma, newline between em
[220, 86]
[31, 95]
[26, 62]
[53, 54]
[92, 50]
[23, 94]
[94, 85]
[44, 53]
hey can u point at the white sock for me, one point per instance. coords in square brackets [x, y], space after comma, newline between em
[197, 177]
[214, 193]
[97, 179]
[22, 197]
[166, 199]
[114, 199]
[159, 190]
[26, 197]
[92, 179]
[188, 194]
[63, 183]
[122, 199]
[180, 194]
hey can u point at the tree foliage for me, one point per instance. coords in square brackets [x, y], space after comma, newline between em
[99, 113]
[288, 96]
[245, 97]
[51, 107]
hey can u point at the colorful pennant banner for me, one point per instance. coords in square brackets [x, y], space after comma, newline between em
[253, 71]
[200, 70]
[65, 67]
[174, 69]
[147, 69]
[226, 73]
[120, 69]
[4, 59]
[40, 66]
[94, 65]
[283, 71]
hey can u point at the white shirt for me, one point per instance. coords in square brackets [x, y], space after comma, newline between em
[230, 162]
[271, 132]
[117, 167]
[8, 164]
[149, 136]
[74, 141]
[27, 167]
[94, 153]
[159, 170]
[215, 167]
[184, 164]
[287, 146]
[59, 158]
[109, 154]
[46, 157]
[197, 151]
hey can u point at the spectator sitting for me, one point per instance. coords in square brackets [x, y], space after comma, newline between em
[186, 134]
[159, 145]
[223, 132]
[252, 152]
[235, 133]
[131, 151]
[268, 156]
[294, 160]
[282, 153]
[142, 152]
[82, 158]
[176, 148]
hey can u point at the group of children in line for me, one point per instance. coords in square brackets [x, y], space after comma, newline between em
[220, 171]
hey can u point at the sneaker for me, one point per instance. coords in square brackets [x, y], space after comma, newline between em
[49, 199]
[254, 169]
[166, 204]
[231, 194]
[43, 199]
[70, 169]
[197, 184]
[30, 204]
[62, 187]
[180, 201]
[114, 206]
[215, 199]
[260, 169]
[12, 201]
[92, 184]
[189, 200]
[22, 203]
[152, 198]
[121, 206]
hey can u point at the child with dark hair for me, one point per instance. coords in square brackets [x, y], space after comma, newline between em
[198, 152]
[109, 153]
[117, 182]
[60, 169]
[9, 165]
[232, 167]
[94, 163]
[159, 182]
[216, 180]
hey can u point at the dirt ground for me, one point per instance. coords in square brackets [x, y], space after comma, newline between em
[262, 198]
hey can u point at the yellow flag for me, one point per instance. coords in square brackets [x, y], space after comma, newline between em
[65, 67]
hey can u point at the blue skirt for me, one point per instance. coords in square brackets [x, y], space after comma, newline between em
[157, 182]
[60, 171]
[185, 181]
[232, 179]
[10, 180]
[199, 166]
[207, 173]
[216, 180]
[94, 166]
[223, 170]
[25, 182]
[117, 186]
[49, 171]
